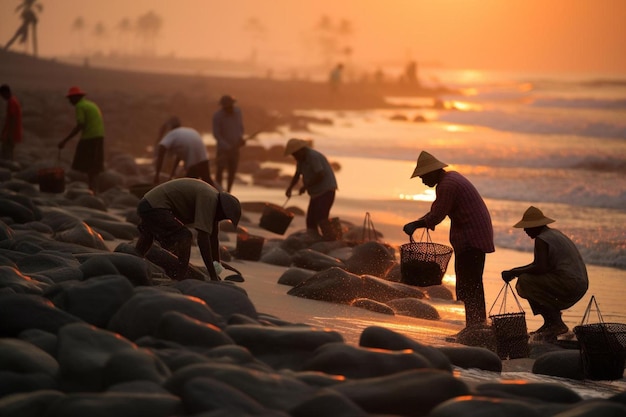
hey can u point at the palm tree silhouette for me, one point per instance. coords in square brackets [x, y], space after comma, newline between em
[29, 20]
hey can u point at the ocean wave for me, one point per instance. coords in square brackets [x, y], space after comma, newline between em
[581, 103]
[542, 125]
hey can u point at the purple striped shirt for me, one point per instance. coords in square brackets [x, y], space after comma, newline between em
[470, 222]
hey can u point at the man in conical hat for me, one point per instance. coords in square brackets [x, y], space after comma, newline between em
[471, 232]
[318, 180]
[557, 277]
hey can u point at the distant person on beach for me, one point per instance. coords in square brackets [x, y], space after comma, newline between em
[471, 231]
[228, 132]
[89, 154]
[167, 210]
[335, 78]
[318, 179]
[12, 129]
[557, 277]
[187, 145]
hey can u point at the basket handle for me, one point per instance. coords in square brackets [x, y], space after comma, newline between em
[424, 231]
[503, 292]
[369, 230]
[585, 318]
[285, 203]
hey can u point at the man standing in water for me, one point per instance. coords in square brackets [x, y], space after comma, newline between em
[318, 179]
[12, 130]
[228, 132]
[89, 155]
[471, 231]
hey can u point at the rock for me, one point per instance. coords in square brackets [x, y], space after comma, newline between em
[282, 347]
[468, 357]
[484, 406]
[186, 331]
[408, 393]
[413, 307]
[361, 362]
[561, 363]
[21, 312]
[316, 261]
[294, 276]
[272, 390]
[140, 315]
[383, 338]
[22, 357]
[94, 300]
[83, 351]
[372, 258]
[224, 299]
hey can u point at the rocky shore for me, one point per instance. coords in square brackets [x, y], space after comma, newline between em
[89, 329]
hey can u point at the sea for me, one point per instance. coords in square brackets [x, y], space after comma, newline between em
[554, 141]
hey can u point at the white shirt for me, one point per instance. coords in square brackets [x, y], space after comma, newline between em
[186, 143]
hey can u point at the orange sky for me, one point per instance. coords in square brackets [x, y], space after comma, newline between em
[528, 35]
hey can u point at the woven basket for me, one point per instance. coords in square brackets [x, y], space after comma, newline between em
[424, 263]
[602, 347]
[509, 329]
[249, 247]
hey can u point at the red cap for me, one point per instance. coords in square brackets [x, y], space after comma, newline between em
[75, 91]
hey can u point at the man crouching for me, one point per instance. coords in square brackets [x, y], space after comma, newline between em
[169, 208]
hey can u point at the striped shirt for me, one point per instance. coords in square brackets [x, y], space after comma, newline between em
[470, 222]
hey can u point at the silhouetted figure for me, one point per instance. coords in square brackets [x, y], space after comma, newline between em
[167, 210]
[12, 129]
[29, 20]
[228, 133]
[335, 77]
[89, 155]
[557, 277]
[410, 73]
[471, 231]
[318, 180]
[187, 145]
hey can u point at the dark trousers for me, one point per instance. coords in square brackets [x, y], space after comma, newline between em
[227, 160]
[319, 209]
[469, 266]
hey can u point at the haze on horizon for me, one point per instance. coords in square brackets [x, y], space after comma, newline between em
[567, 36]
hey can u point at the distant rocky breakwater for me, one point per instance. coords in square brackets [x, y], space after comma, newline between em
[90, 331]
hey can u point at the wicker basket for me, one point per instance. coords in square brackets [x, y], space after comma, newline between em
[423, 263]
[510, 328]
[331, 229]
[602, 347]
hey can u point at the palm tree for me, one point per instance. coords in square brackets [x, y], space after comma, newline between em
[29, 20]
[78, 25]
[99, 32]
[147, 28]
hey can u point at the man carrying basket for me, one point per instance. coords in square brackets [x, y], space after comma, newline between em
[471, 232]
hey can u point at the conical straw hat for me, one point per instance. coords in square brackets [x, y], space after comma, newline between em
[294, 145]
[427, 163]
[533, 217]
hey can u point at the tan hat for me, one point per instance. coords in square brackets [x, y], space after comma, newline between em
[230, 206]
[294, 145]
[533, 217]
[427, 163]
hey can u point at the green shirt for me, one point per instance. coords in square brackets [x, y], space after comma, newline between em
[88, 114]
[192, 201]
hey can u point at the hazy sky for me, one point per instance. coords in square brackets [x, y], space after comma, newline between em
[528, 35]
